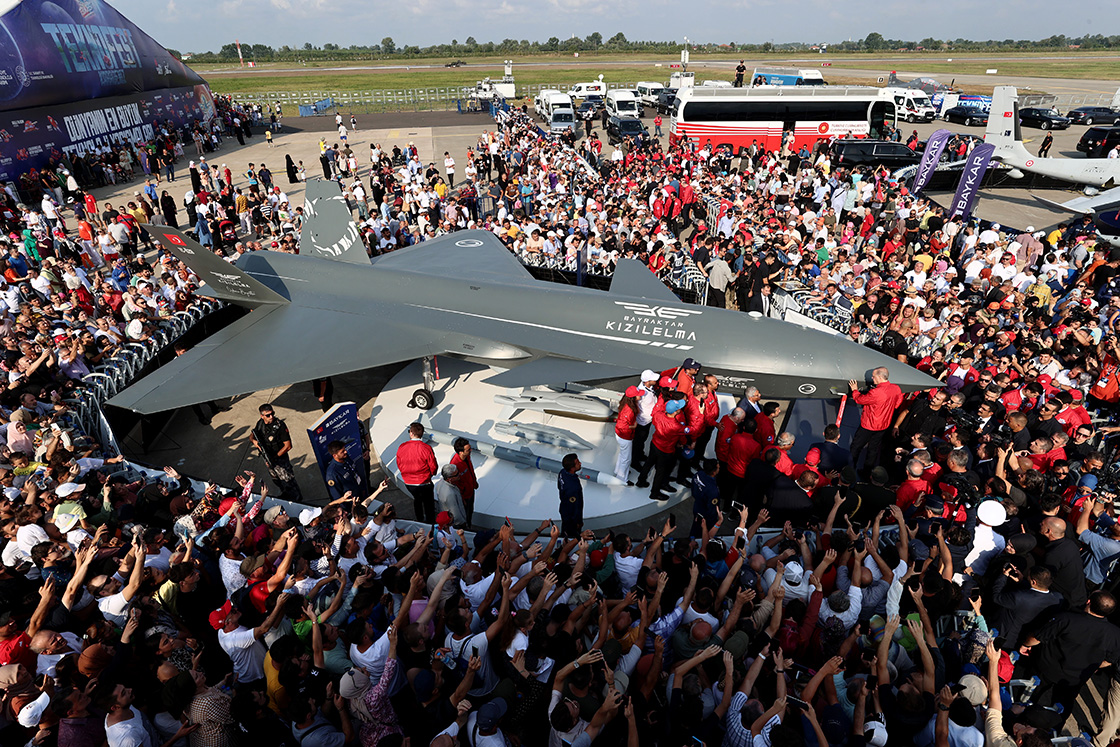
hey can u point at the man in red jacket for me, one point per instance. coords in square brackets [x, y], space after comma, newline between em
[668, 429]
[710, 407]
[417, 464]
[876, 415]
[468, 481]
[766, 431]
[695, 420]
[742, 449]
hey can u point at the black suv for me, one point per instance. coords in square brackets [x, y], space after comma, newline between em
[1087, 115]
[1044, 119]
[1097, 141]
[873, 153]
[619, 128]
[667, 101]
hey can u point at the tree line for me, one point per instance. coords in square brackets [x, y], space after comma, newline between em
[594, 42]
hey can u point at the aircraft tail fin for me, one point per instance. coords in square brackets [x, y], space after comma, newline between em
[224, 281]
[328, 227]
[1003, 124]
[892, 79]
[632, 278]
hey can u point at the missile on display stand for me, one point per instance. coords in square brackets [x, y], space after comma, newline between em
[524, 457]
[562, 403]
[545, 434]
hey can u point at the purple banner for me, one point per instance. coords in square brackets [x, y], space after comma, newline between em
[38, 138]
[969, 187]
[935, 146]
[60, 51]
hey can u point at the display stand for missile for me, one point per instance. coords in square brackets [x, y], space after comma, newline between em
[517, 455]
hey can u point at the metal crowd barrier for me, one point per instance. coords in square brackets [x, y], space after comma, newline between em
[119, 371]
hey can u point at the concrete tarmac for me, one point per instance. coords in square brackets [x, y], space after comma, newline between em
[221, 451]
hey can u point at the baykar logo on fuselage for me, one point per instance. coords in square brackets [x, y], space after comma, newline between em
[666, 322]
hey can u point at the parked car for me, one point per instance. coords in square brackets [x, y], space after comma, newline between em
[965, 115]
[1044, 119]
[873, 153]
[598, 101]
[667, 101]
[946, 154]
[456, 63]
[1088, 115]
[586, 110]
[619, 128]
[1098, 140]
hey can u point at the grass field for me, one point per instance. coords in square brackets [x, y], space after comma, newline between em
[366, 80]
[384, 75]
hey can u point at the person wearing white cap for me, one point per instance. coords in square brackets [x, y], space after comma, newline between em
[986, 543]
[647, 398]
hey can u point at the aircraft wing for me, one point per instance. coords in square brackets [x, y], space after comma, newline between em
[1085, 205]
[553, 370]
[274, 346]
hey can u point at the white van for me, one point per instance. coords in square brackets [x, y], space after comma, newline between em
[910, 104]
[580, 90]
[647, 92]
[561, 119]
[540, 103]
[556, 101]
[621, 104]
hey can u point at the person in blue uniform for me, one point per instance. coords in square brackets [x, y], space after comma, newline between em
[571, 497]
[705, 496]
[342, 474]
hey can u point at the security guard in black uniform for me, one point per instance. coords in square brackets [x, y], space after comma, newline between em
[571, 497]
[705, 496]
[342, 474]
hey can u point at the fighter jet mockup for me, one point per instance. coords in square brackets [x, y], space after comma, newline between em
[329, 310]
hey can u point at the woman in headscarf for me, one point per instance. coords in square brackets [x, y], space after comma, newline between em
[20, 692]
[18, 440]
[167, 207]
[290, 167]
[371, 704]
[196, 178]
[207, 707]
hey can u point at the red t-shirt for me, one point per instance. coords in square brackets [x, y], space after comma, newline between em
[17, 650]
[1107, 388]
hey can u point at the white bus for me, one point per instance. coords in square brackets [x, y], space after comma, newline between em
[737, 117]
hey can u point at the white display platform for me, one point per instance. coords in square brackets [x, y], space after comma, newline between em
[464, 405]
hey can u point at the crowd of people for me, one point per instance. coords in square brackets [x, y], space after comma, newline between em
[887, 592]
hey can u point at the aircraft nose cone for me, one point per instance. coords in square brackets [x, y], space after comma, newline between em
[858, 361]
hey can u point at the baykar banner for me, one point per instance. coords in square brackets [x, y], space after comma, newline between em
[340, 423]
[935, 146]
[969, 187]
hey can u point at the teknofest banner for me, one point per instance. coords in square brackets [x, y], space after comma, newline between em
[75, 74]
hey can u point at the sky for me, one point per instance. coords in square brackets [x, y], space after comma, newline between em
[205, 25]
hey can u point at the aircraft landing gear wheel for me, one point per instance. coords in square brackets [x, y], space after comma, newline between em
[422, 399]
